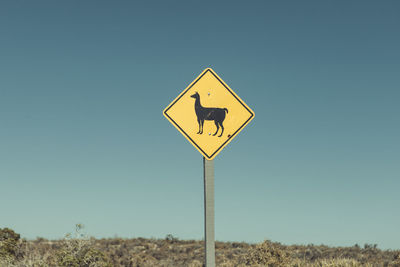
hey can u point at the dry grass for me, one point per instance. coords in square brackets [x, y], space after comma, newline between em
[79, 250]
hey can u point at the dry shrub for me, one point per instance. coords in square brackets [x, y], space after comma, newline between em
[396, 260]
[329, 263]
[196, 263]
[267, 254]
[79, 251]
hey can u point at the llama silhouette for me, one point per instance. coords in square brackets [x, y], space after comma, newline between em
[209, 114]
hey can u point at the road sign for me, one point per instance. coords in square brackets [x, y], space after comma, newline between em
[208, 113]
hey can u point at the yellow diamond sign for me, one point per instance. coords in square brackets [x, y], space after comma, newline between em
[209, 114]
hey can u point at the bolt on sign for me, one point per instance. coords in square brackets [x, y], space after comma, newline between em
[209, 114]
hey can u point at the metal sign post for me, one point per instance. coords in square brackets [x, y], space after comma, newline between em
[209, 103]
[209, 222]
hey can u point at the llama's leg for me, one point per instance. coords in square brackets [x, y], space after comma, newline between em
[199, 122]
[222, 127]
[216, 124]
[202, 125]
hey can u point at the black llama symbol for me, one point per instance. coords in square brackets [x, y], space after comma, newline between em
[210, 114]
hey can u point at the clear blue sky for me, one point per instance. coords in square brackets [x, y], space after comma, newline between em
[83, 140]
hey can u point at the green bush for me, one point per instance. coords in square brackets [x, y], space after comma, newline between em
[8, 243]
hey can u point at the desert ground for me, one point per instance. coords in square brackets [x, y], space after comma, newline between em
[77, 249]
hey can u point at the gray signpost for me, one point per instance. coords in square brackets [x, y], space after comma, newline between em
[209, 224]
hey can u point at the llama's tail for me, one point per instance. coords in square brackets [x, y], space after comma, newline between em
[226, 110]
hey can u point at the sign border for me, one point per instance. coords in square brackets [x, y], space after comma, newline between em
[216, 152]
